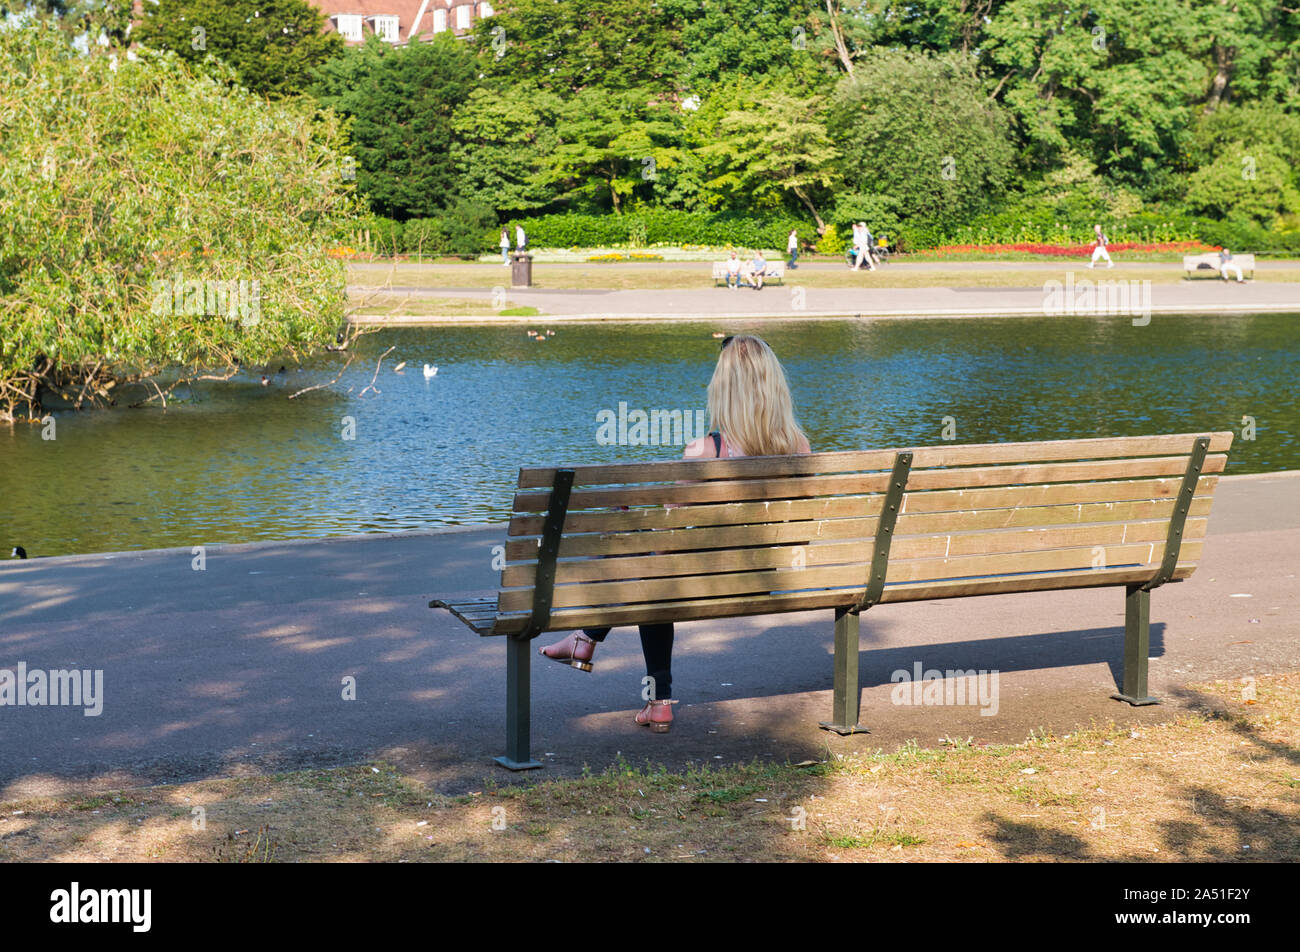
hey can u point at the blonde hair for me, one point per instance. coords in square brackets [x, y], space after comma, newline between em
[749, 400]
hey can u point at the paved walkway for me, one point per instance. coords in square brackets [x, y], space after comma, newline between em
[794, 301]
[239, 667]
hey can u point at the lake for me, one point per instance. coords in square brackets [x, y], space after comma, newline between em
[239, 462]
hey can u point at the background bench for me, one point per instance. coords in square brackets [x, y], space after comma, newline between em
[1209, 264]
[844, 531]
[774, 273]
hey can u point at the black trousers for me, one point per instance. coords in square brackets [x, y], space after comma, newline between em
[657, 647]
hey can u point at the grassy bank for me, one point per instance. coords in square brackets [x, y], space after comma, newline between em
[1219, 783]
[687, 275]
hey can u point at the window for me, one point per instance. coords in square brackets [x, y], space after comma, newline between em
[349, 25]
[462, 16]
[439, 21]
[485, 9]
[386, 28]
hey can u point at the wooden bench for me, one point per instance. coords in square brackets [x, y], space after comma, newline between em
[1209, 264]
[844, 531]
[774, 273]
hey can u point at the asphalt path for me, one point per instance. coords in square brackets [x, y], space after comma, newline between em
[240, 667]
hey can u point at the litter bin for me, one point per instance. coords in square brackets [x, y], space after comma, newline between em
[521, 270]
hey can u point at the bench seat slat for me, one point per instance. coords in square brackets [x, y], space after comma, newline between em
[743, 513]
[804, 487]
[854, 461]
[479, 614]
[733, 607]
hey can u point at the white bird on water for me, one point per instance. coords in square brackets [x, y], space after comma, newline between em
[430, 371]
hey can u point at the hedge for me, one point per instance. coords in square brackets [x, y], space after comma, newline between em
[660, 226]
[472, 234]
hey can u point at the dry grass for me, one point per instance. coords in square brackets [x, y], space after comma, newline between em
[390, 304]
[1222, 783]
[687, 275]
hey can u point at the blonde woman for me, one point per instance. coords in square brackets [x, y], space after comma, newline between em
[751, 414]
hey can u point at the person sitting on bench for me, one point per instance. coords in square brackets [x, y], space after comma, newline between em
[757, 269]
[752, 414]
[733, 271]
[1226, 262]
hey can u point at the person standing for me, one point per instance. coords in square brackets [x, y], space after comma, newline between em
[505, 247]
[521, 239]
[1100, 251]
[792, 248]
[752, 414]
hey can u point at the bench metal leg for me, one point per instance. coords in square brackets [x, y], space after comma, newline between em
[1137, 646]
[844, 709]
[519, 655]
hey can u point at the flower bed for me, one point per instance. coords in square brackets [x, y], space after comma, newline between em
[1069, 251]
[632, 256]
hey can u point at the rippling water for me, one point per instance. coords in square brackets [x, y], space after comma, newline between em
[239, 462]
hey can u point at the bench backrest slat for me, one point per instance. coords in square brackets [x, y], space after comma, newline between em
[709, 538]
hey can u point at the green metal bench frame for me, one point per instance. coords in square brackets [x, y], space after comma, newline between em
[845, 708]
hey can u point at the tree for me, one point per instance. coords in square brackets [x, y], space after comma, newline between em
[1245, 183]
[777, 145]
[848, 31]
[572, 45]
[271, 44]
[919, 130]
[503, 146]
[110, 19]
[402, 101]
[755, 41]
[1117, 78]
[170, 220]
[612, 145]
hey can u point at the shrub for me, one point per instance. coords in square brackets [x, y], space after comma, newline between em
[377, 234]
[657, 226]
[470, 227]
[832, 242]
[424, 236]
[137, 199]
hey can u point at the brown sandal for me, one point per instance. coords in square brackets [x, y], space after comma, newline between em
[657, 715]
[575, 650]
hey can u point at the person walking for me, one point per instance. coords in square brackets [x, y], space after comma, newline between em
[1100, 251]
[505, 247]
[792, 248]
[751, 414]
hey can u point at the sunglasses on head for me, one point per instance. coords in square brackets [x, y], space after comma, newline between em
[726, 340]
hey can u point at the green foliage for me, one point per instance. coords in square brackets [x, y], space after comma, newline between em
[835, 240]
[505, 141]
[1118, 77]
[401, 101]
[659, 226]
[1244, 183]
[271, 44]
[471, 228]
[773, 145]
[612, 146]
[120, 178]
[572, 45]
[919, 129]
